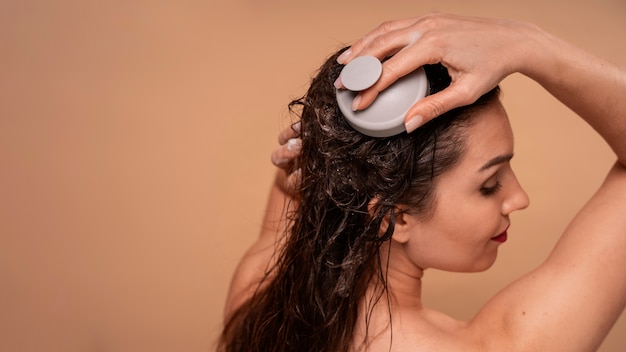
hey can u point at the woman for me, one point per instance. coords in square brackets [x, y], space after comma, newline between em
[370, 215]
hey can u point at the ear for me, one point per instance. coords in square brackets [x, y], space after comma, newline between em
[401, 231]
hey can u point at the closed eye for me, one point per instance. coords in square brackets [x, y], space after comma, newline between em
[487, 191]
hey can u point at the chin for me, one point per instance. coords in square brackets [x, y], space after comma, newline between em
[477, 266]
[466, 265]
[486, 265]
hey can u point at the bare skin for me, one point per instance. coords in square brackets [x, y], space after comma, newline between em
[584, 275]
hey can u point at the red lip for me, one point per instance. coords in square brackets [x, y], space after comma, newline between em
[501, 237]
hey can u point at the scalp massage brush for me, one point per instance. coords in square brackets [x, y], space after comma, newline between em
[385, 116]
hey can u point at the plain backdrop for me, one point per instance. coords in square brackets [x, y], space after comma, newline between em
[134, 156]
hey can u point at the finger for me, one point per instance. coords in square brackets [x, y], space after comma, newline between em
[293, 181]
[399, 65]
[292, 131]
[338, 83]
[432, 106]
[284, 155]
[288, 182]
[374, 43]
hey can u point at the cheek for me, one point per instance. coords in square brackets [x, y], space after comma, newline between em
[449, 243]
[458, 237]
[460, 218]
[466, 227]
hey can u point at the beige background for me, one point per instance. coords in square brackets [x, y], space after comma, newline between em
[134, 156]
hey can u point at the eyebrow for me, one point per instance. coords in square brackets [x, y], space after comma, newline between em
[495, 161]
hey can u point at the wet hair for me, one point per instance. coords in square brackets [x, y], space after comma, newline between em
[350, 182]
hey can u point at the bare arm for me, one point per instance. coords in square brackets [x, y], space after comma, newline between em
[592, 87]
[260, 256]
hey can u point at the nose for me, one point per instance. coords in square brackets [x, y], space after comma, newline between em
[516, 199]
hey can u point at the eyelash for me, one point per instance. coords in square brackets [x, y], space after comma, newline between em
[487, 191]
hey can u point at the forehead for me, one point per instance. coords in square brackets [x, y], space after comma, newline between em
[488, 136]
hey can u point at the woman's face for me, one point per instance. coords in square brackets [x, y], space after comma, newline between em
[473, 201]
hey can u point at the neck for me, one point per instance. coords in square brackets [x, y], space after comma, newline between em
[404, 293]
[404, 278]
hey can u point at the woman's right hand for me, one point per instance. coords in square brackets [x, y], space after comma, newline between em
[477, 52]
[284, 156]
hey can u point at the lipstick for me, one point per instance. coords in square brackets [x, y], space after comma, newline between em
[501, 237]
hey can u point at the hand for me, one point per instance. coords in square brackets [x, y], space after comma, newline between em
[284, 158]
[478, 54]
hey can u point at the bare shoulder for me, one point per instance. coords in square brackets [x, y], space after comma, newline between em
[430, 330]
[459, 335]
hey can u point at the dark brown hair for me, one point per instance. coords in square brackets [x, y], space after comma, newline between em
[310, 300]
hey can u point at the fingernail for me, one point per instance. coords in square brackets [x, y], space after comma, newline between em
[338, 84]
[296, 127]
[415, 122]
[294, 145]
[341, 58]
[356, 102]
